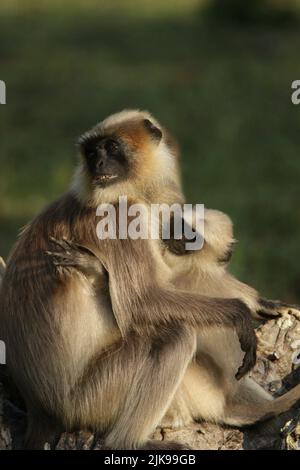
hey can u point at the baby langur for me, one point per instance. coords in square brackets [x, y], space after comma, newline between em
[106, 349]
[209, 389]
[223, 399]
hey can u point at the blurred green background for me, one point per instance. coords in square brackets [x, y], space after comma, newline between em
[217, 73]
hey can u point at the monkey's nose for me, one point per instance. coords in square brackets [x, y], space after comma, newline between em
[101, 161]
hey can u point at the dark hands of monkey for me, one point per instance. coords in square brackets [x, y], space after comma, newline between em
[249, 346]
[68, 254]
[270, 309]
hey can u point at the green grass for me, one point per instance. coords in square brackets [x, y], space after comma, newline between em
[224, 91]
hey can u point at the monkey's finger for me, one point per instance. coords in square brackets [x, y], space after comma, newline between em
[294, 311]
[59, 259]
[65, 262]
[283, 305]
[275, 308]
[85, 250]
[69, 243]
[61, 244]
[248, 364]
[58, 254]
[269, 314]
[55, 241]
[248, 343]
[76, 246]
[278, 305]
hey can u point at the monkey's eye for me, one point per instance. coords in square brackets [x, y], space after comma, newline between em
[90, 150]
[91, 153]
[112, 147]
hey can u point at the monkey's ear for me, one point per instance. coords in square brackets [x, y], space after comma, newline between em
[154, 131]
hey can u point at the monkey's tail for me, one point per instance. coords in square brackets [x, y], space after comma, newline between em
[245, 412]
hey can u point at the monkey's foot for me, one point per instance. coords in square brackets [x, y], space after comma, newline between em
[270, 309]
[74, 255]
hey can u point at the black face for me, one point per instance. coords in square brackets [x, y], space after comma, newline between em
[105, 159]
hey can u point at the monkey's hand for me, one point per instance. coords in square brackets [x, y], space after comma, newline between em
[69, 254]
[269, 309]
[248, 341]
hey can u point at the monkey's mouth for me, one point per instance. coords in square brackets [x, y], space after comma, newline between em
[104, 178]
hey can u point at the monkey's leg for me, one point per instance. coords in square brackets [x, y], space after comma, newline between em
[208, 380]
[206, 399]
[253, 404]
[200, 396]
[209, 390]
[126, 393]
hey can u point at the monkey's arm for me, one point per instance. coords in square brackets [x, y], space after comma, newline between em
[140, 303]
